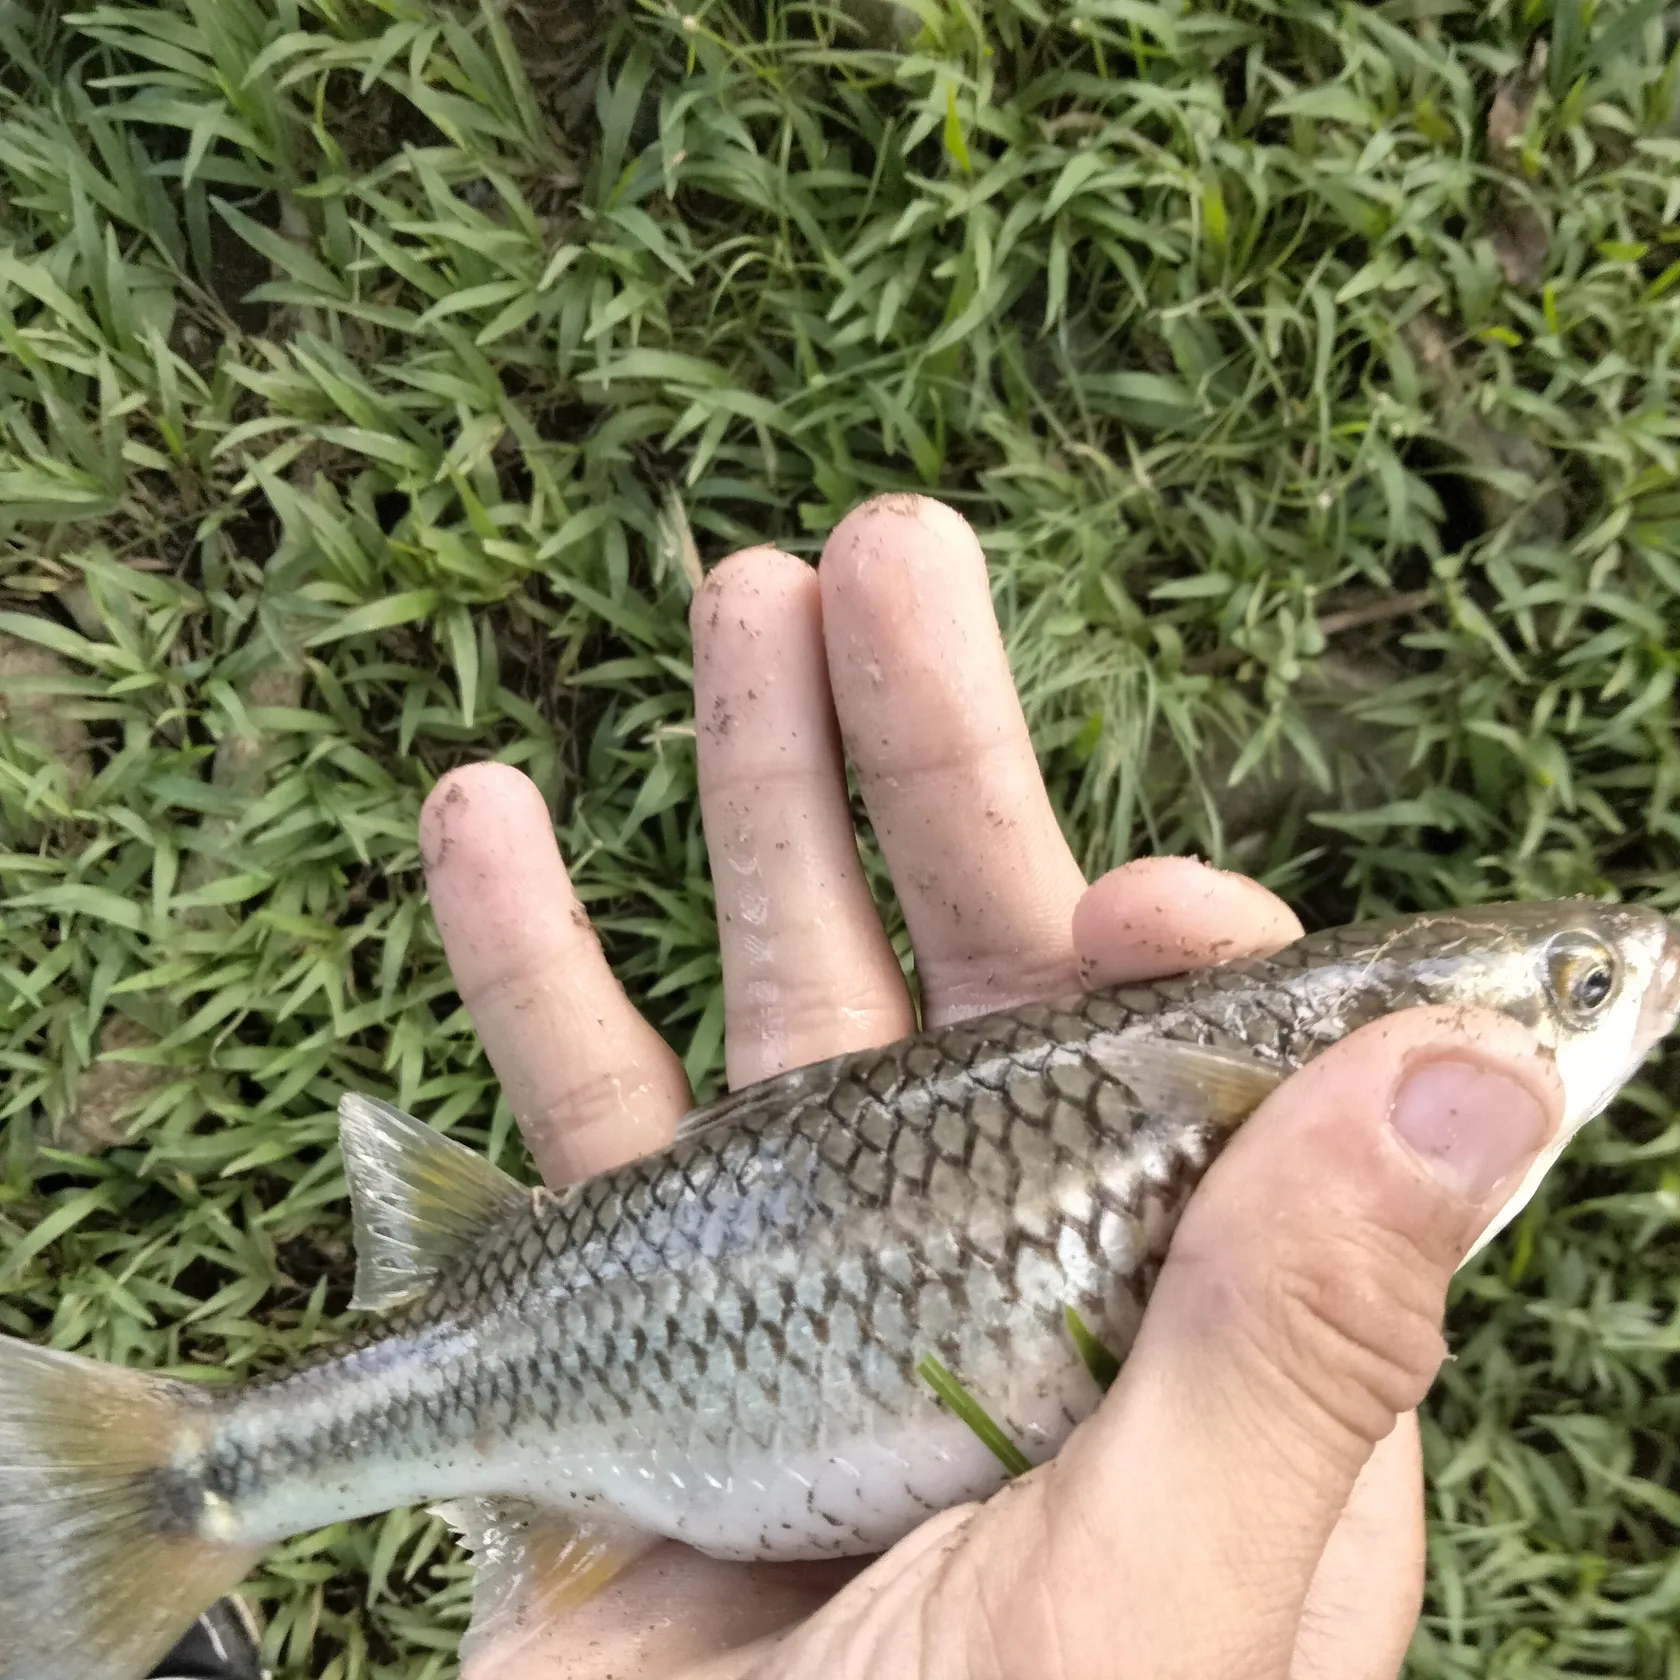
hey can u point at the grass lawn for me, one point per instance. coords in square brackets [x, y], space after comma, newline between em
[372, 371]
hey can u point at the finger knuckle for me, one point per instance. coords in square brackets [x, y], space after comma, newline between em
[1354, 1324]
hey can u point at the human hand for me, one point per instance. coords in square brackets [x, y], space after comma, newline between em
[1247, 1500]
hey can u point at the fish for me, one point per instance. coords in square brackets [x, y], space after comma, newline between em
[726, 1342]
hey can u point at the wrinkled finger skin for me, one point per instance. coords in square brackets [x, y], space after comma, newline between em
[887, 656]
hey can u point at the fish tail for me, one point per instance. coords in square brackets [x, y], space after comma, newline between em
[107, 1546]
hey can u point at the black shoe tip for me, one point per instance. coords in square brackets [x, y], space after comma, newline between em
[221, 1645]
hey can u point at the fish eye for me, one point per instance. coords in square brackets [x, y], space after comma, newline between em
[1582, 973]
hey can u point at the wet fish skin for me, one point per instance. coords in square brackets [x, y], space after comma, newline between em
[720, 1342]
[754, 1301]
[761, 1293]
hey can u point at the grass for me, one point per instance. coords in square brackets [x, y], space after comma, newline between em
[1311, 370]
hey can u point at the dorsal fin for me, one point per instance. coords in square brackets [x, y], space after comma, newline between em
[420, 1199]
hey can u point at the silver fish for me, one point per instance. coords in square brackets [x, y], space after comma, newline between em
[723, 1342]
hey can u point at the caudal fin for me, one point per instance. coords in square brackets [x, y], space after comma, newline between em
[103, 1564]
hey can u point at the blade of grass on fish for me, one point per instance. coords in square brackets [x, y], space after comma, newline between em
[1102, 1364]
[956, 1399]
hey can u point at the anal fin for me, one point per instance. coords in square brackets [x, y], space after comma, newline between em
[533, 1564]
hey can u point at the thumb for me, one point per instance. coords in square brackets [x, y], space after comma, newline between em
[1297, 1316]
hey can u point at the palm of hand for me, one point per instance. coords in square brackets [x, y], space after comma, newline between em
[1179, 1532]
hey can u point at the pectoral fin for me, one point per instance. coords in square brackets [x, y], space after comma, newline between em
[420, 1199]
[1200, 1082]
[533, 1564]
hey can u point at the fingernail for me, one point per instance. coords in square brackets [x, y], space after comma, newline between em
[1469, 1124]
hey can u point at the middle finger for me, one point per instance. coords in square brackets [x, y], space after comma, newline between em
[932, 722]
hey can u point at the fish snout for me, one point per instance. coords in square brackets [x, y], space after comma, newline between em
[1661, 1006]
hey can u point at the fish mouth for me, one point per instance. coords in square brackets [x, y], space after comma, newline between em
[1660, 1007]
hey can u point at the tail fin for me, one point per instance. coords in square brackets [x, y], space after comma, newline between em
[103, 1564]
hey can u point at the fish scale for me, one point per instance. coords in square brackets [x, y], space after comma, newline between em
[768, 1286]
[725, 1342]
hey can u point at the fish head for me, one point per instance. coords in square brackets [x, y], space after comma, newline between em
[1612, 989]
[1597, 984]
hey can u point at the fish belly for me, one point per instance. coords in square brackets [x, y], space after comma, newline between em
[862, 1484]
